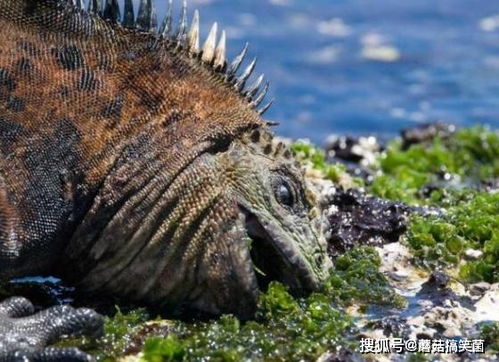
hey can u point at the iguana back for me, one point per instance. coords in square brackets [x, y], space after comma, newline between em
[136, 164]
[74, 91]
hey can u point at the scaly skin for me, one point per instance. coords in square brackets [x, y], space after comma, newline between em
[133, 168]
[32, 332]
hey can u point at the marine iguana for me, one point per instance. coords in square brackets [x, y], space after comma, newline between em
[136, 163]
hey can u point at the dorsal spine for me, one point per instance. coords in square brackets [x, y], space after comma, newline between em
[212, 54]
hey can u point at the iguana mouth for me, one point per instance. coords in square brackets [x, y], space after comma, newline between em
[273, 261]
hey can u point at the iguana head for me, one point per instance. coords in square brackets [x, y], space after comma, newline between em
[235, 218]
[273, 220]
[239, 216]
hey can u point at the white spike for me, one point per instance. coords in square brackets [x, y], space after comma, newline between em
[253, 90]
[182, 27]
[241, 80]
[265, 108]
[193, 36]
[256, 102]
[166, 27]
[209, 45]
[220, 51]
[233, 68]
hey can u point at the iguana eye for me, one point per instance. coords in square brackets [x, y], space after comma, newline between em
[283, 194]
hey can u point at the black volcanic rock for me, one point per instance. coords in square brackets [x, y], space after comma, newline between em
[426, 132]
[359, 219]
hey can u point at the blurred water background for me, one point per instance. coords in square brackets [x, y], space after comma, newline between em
[364, 66]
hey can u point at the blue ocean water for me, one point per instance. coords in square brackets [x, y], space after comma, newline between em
[363, 66]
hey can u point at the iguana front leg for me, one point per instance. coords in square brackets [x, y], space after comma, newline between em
[25, 335]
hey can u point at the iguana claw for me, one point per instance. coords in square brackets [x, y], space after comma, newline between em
[25, 335]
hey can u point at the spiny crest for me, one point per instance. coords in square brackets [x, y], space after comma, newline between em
[212, 53]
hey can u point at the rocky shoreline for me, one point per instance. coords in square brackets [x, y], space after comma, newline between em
[441, 303]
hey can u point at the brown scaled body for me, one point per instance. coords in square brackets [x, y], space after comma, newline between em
[131, 167]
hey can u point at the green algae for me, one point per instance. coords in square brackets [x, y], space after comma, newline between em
[287, 328]
[471, 223]
[119, 332]
[164, 349]
[118, 339]
[356, 279]
[284, 328]
[471, 155]
[489, 332]
[470, 220]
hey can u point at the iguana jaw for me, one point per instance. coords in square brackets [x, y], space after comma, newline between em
[274, 257]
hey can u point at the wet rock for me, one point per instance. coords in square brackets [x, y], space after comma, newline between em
[486, 308]
[398, 275]
[397, 263]
[479, 289]
[473, 254]
[437, 291]
[391, 326]
[340, 356]
[443, 181]
[43, 292]
[426, 132]
[491, 186]
[358, 154]
[444, 321]
[438, 279]
[446, 181]
[354, 149]
[438, 306]
[159, 329]
[359, 219]
[447, 319]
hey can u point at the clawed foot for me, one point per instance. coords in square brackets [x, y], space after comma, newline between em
[24, 335]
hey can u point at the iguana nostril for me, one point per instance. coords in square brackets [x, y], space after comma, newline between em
[319, 259]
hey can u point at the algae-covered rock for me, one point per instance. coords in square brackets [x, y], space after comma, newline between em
[462, 161]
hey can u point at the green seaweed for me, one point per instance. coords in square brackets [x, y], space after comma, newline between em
[119, 331]
[285, 327]
[489, 332]
[469, 156]
[470, 218]
[289, 328]
[356, 279]
[471, 223]
[164, 349]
